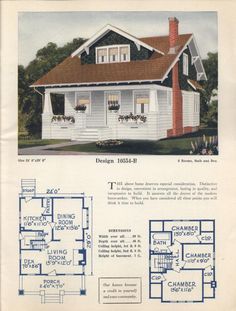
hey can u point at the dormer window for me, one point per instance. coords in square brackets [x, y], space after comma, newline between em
[101, 55]
[124, 53]
[113, 54]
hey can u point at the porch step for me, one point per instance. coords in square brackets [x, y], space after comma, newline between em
[86, 135]
[91, 134]
[52, 298]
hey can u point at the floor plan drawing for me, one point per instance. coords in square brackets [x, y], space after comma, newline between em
[55, 242]
[182, 260]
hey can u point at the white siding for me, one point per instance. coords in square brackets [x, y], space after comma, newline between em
[146, 131]
[126, 102]
[164, 120]
[191, 108]
[69, 103]
[61, 131]
[97, 116]
[46, 126]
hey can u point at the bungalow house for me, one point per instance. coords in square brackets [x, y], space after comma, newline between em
[117, 86]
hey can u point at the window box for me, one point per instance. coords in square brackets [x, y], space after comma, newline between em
[62, 118]
[131, 118]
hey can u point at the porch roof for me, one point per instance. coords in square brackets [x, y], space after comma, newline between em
[70, 71]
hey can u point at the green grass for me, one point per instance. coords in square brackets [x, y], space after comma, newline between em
[172, 146]
[25, 143]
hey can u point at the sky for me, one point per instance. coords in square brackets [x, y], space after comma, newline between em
[36, 29]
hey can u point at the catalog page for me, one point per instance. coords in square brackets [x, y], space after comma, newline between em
[118, 155]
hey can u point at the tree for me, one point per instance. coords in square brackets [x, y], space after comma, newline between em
[209, 108]
[29, 102]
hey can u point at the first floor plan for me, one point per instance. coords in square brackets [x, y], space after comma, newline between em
[55, 243]
[182, 260]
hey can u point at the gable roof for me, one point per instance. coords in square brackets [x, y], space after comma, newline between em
[106, 29]
[71, 72]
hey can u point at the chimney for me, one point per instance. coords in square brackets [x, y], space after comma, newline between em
[177, 126]
[173, 33]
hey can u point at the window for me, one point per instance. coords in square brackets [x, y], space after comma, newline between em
[185, 64]
[83, 99]
[124, 52]
[141, 102]
[112, 54]
[102, 56]
[113, 100]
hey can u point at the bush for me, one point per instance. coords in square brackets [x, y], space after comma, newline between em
[108, 143]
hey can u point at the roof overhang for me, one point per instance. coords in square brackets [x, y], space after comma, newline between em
[196, 59]
[96, 83]
[195, 85]
[85, 47]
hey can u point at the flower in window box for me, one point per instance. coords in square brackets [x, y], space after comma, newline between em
[80, 107]
[131, 118]
[113, 107]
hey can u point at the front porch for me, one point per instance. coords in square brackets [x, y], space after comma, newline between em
[116, 112]
[144, 112]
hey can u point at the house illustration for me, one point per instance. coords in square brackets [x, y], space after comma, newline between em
[117, 86]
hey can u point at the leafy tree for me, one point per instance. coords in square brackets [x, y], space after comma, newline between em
[208, 113]
[30, 102]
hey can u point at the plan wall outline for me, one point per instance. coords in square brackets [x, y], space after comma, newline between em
[55, 243]
[182, 260]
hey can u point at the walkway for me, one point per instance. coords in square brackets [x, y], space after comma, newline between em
[45, 150]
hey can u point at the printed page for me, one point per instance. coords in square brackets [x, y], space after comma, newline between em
[117, 155]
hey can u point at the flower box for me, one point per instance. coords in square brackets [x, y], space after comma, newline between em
[131, 118]
[80, 108]
[62, 118]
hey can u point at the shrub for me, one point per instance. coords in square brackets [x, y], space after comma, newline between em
[108, 143]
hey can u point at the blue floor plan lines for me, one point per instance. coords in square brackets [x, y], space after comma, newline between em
[182, 260]
[55, 243]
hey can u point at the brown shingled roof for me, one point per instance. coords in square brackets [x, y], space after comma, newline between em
[70, 71]
[195, 85]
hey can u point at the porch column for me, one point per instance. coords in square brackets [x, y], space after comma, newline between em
[47, 117]
[47, 109]
[153, 100]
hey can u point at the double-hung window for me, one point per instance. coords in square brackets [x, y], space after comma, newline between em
[102, 55]
[113, 54]
[124, 54]
[141, 102]
[113, 100]
[83, 99]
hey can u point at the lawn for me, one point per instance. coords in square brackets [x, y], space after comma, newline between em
[34, 142]
[172, 146]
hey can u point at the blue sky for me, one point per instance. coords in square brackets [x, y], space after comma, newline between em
[36, 29]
